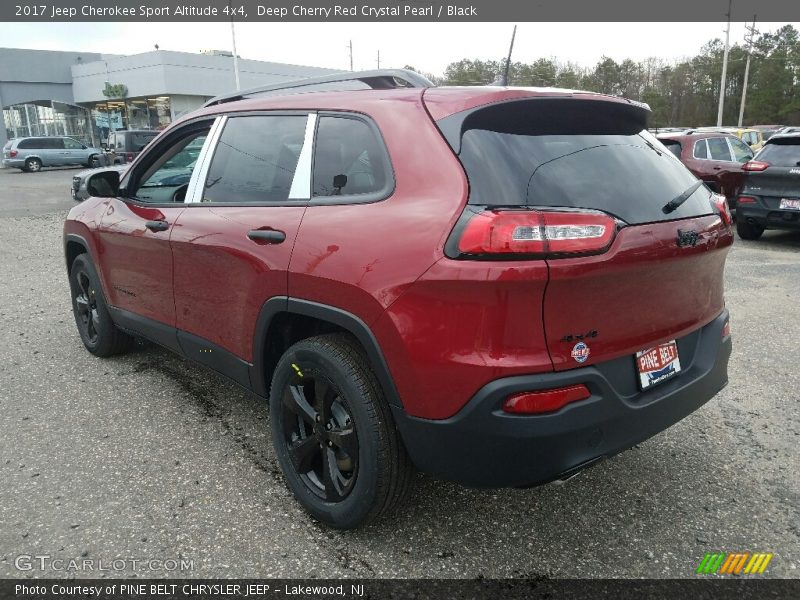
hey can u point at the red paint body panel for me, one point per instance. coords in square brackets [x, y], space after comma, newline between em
[460, 326]
[361, 257]
[645, 290]
[137, 263]
[222, 278]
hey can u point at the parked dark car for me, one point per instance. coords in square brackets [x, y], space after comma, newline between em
[497, 286]
[770, 197]
[31, 154]
[124, 146]
[768, 130]
[715, 158]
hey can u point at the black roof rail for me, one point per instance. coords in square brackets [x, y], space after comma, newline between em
[378, 79]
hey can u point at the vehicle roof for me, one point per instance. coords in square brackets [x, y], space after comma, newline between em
[440, 101]
[696, 135]
[783, 136]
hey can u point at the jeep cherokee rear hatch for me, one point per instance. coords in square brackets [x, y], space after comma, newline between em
[635, 244]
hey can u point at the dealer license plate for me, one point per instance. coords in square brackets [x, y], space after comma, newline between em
[790, 203]
[657, 364]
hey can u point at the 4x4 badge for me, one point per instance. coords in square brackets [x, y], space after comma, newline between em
[687, 237]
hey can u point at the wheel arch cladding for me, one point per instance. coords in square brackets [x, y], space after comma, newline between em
[74, 246]
[316, 318]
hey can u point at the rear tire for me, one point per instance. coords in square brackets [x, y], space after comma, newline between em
[97, 330]
[33, 165]
[748, 231]
[334, 434]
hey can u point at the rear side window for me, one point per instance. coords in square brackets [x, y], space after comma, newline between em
[785, 153]
[349, 158]
[140, 140]
[255, 159]
[718, 148]
[30, 144]
[700, 149]
[574, 153]
[673, 146]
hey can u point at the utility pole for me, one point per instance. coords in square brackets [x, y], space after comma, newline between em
[508, 60]
[748, 37]
[379, 59]
[351, 55]
[235, 57]
[724, 67]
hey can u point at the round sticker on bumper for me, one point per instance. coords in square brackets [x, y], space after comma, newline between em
[580, 352]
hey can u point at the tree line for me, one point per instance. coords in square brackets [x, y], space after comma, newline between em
[683, 93]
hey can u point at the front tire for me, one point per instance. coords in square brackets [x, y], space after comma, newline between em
[334, 435]
[748, 231]
[97, 330]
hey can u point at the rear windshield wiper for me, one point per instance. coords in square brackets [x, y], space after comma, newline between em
[678, 200]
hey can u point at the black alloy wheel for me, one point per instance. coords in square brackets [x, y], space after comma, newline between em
[320, 436]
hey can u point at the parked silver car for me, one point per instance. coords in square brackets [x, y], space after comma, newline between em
[33, 153]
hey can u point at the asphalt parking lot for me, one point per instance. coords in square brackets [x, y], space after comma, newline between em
[145, 456]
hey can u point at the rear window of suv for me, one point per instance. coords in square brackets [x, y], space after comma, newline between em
[782, 153]
[576, 154]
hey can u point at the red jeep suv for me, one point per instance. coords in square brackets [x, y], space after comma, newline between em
[497, 286]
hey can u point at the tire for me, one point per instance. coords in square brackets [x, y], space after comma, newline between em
[93, 162]
[748, 231]
[326, 381]
[98, 332]
[33, 165]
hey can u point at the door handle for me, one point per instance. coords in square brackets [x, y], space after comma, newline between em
[157, 225]
[270, 236]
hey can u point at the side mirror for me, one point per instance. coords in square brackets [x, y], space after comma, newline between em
[103, 184]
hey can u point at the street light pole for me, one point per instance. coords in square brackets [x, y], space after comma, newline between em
[724, 67]
[235, 56]
[751, 32]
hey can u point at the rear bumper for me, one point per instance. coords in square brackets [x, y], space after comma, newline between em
[484, 447]
[16, 163]
[768, 217]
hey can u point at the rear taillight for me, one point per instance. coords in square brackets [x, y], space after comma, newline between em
[720, 204]
[12, 154]
[754, 165]
[545, 401]
[530, 232]
[745, 200]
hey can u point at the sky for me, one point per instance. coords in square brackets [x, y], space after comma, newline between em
[428, 47]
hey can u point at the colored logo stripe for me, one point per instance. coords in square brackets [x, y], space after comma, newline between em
[733, 563]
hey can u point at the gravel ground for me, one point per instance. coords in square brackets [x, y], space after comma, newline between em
[146, 456]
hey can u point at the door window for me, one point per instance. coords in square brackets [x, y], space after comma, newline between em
[71, 144]
[166, 179]
[255, 160]
[741, 152]
[718, 148]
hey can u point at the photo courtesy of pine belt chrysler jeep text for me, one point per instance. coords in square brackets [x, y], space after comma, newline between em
[497, 286]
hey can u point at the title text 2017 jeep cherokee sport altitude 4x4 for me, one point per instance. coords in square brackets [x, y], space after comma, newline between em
[498, 286]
